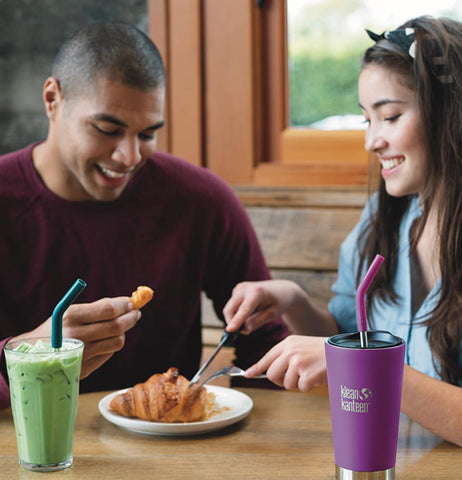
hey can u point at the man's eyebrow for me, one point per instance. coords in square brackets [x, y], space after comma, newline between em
[383, 102]
[156, 126]
[104, 117]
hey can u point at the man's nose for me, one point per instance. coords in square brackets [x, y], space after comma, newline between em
[128, 152]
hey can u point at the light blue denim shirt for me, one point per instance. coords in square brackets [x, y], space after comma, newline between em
[396, 317]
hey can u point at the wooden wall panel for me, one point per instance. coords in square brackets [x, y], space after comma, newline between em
[229, 89]
[316, 283]
[304, 197]
[313, 173]
[274, 85]
[302, 238]
[158, 32]
[300, 146]
[186, 79]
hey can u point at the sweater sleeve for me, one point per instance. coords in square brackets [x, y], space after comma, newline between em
[4, 388]
[235, 257]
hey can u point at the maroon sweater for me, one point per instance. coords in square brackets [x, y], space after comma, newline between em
[176, 227]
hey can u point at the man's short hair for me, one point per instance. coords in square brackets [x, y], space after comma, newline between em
[113, 50]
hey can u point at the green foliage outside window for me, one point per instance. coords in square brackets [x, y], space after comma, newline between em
[326, 41]
[321, 86]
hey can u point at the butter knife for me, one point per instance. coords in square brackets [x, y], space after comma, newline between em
[227, 339]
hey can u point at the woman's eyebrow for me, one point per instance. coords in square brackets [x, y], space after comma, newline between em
[381, 103]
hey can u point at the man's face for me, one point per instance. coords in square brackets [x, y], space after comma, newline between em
[102, 138]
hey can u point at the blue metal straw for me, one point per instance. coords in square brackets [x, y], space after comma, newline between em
[58, 312]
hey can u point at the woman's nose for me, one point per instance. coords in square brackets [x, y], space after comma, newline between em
[374, 140]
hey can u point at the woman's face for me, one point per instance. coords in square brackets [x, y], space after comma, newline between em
[395, 130]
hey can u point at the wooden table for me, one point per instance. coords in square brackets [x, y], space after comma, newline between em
[286, 436]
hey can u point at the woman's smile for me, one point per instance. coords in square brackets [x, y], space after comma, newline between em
[394, 133]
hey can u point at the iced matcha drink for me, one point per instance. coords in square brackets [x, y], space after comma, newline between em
[44, 388]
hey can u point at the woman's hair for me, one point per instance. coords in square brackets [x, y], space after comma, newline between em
[435, 75]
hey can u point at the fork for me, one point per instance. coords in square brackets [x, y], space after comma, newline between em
[232, 371]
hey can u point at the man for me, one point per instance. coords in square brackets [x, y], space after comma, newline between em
[96, 201]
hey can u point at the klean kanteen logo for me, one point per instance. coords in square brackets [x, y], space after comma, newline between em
[354, 400]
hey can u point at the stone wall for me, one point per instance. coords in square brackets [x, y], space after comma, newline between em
[31, 32]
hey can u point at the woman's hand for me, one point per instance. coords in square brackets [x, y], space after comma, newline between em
[298, 362]
[257, 303]
[101, 325]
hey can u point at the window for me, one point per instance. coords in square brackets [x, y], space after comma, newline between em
[326, 39]
[228, 89]
[325, 42]
[294, 155]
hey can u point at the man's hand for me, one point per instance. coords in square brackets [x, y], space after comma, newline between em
[257, 303]
[101, 325]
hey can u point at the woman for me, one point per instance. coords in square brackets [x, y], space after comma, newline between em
[410, 93]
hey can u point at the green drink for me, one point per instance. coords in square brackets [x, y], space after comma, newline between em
[44, 388]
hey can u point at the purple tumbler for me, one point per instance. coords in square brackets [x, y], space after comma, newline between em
[365, 398]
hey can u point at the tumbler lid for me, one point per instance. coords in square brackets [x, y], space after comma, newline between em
[376, 339]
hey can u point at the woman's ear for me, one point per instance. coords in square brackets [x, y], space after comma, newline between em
[52, 96]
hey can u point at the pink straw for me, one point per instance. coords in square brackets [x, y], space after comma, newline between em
[361, 293]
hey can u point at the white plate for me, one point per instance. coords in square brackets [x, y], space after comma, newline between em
[237, 406]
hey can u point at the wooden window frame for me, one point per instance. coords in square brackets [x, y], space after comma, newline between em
[227, 92]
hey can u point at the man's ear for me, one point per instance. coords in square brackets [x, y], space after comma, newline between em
[52, 96]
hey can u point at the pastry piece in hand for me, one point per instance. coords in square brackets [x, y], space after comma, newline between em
[141, 296]
[165, 397]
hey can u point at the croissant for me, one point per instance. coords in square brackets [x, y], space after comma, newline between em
[165, 397]
[141, 296]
